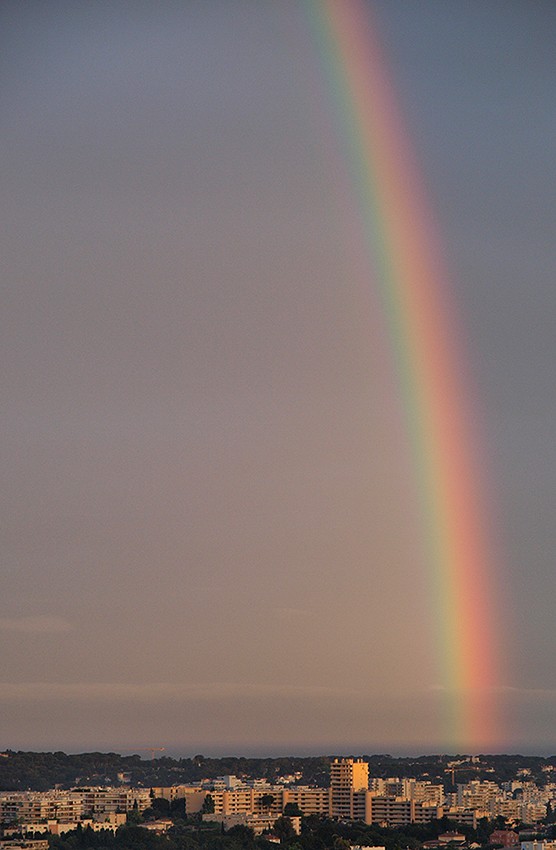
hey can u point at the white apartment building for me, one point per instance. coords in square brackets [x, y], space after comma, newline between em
[101, 801]
[311, 801]
[463, 816]
[399, 811]
[349, 784]
[244, 799]
[477, 794]
[69, 806]
[28, 806]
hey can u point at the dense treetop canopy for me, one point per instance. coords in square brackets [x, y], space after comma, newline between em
[40, 771]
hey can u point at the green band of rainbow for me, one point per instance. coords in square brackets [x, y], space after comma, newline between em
[406, 269]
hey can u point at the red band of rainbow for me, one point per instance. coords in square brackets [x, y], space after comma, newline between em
[415, 301]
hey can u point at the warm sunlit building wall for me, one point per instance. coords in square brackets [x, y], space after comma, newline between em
[311, 801]
[349, 782]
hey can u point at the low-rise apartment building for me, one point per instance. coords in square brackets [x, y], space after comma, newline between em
[73, 806]
[400, 811]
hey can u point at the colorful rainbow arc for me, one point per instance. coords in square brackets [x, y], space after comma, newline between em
[406, 266]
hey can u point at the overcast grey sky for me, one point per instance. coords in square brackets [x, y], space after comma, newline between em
[209, 542]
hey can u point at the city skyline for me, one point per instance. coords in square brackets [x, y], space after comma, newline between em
[213, 534]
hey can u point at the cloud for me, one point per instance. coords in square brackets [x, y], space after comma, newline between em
[493, 689]
[39, 625]
[158, 691]
[529, 693]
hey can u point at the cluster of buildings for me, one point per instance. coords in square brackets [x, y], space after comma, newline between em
[391, 802]
[57, 811]
[516, 801]
[351, 795]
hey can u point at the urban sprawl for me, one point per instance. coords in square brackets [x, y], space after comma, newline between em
[29, 817]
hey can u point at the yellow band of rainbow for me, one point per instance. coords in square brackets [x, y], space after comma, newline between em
[405, 267]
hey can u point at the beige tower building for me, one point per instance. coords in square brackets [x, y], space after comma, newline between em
[349, 783]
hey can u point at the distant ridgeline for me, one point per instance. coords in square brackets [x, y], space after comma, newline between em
[40, 771]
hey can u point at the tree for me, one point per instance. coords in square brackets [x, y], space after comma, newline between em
[242, 833]
[266, 801]
[284, 830]
[134, 816]
[177, 808]
[292, 810]
[483, 830]
[208, 805]
[161, 806]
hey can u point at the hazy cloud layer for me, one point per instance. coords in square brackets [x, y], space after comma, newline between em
[159, 691]
[215, 716]
[41, 624]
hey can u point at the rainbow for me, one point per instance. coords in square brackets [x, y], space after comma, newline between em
[404, 263]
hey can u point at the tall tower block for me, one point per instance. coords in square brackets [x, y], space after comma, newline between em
[349, 780]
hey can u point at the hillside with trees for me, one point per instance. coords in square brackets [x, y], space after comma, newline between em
[40, 771]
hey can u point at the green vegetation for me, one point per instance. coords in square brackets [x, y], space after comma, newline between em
[183, 836]
[292, 810]
[317, 834]
[208, 805]
[20, 770]
[40, 771]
